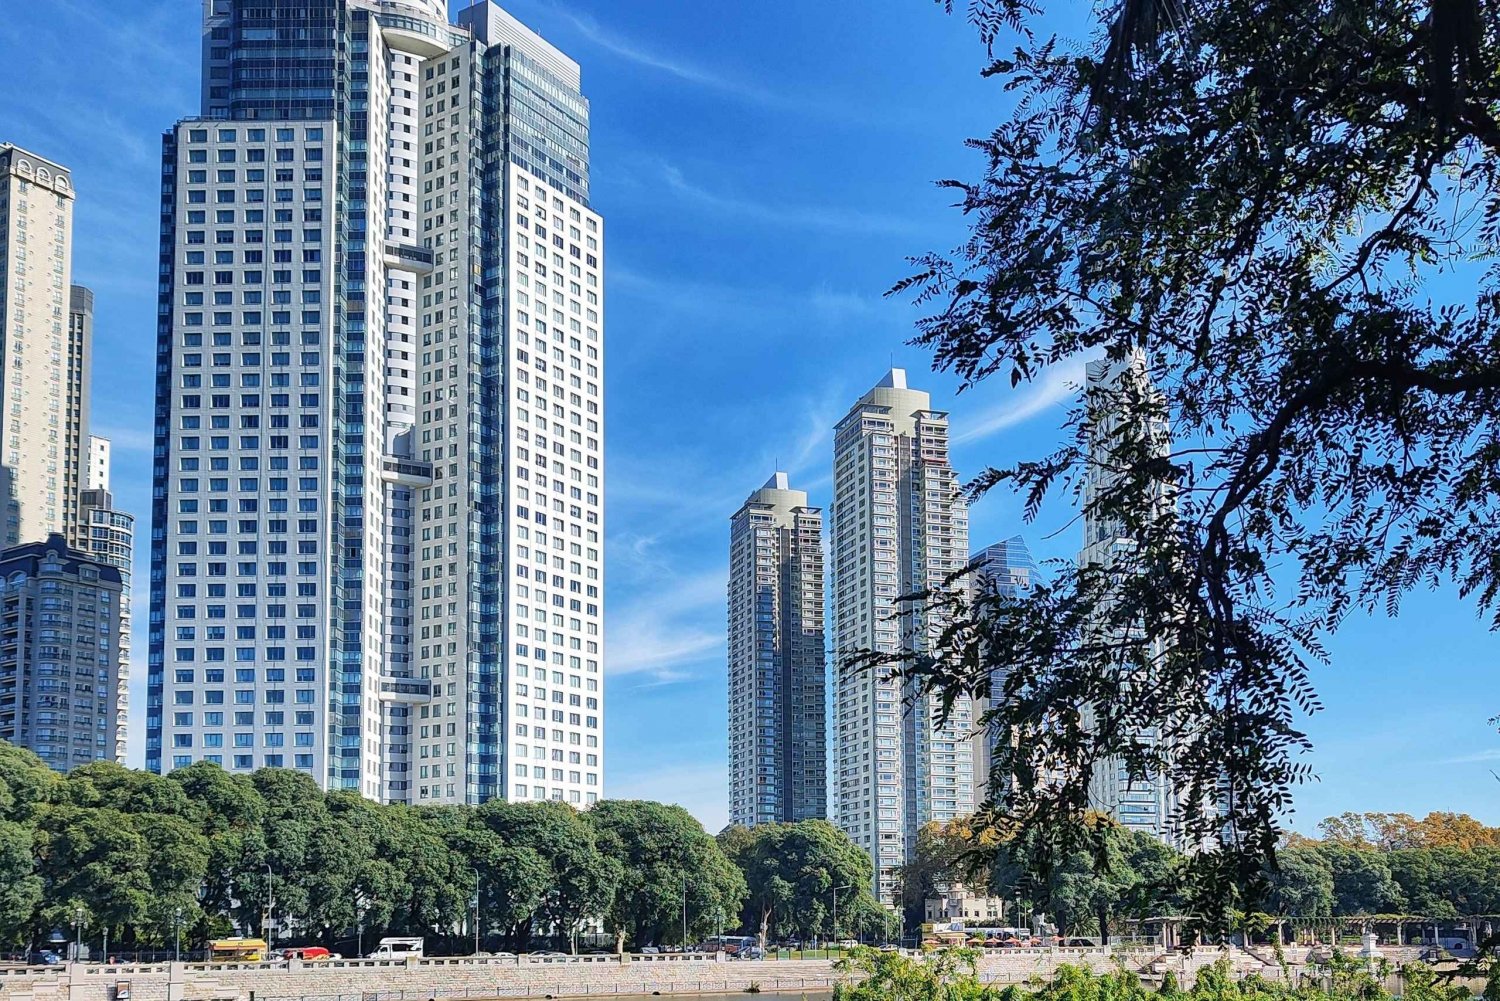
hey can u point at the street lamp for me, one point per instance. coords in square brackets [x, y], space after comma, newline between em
[476, 912]
[177, 936]
[77, 940]
[684, 912]
[270, 905]
[359, 921]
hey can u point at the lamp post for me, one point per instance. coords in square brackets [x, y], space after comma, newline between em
[476, 912]
[77, 939]
[177, 936]
[684, 912]
[836, 890]
[270, 905]
[1018, 913]
[359, 922]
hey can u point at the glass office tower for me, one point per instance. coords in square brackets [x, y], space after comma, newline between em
[377, 542]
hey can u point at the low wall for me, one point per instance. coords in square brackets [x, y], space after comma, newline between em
[576, 976]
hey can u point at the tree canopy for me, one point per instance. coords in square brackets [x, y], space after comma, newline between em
[792, 874]
[141, 857]
[1279, 221]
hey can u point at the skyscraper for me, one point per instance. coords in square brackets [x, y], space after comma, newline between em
[1140, 804]
[107, 535]
[1008, 568]
[899, 525]
[45, 328]
[777, 695]
[61, 661]
[377, 542]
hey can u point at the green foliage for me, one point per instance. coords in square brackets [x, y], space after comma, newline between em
[1302, 883]
[141, 857]
[667, 863]
[951, 975]
[1238, 204]
[20, 885]
[791, 872]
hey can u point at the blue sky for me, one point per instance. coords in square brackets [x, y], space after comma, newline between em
[764, 167]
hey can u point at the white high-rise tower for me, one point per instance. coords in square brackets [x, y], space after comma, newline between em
[898, 525]
[377, 541]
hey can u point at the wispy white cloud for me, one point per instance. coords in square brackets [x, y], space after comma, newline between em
[673, 65]
[794, 216]
[1478, 758]
[633, 51]
[832, 307]
[1058, 384]
[698, 788]
[663, 628]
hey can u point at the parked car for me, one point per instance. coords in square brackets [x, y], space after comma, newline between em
[650, 950]
[43, 957]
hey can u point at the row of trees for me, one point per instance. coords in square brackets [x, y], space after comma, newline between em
[134, 859]
[1445, 866]
[1086, 891]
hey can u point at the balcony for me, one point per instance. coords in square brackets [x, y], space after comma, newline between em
[406, 472]
[407, 257]
[405, 690]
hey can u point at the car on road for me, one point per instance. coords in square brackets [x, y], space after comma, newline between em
[650, 950]
[43, 957]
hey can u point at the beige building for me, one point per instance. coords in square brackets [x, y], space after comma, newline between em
[975, 910]
[899, 525]
[45, 328]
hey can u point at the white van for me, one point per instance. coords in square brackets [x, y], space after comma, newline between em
[397, 948]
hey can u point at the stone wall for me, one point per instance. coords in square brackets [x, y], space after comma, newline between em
[583, 976]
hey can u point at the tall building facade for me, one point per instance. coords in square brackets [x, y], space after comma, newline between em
[1007, 569]
[46, 325]
[107, 535]
[377, 538]
[1007, 566]
[61, 662]
[1146, 804]
[898, 525]
[777, 700]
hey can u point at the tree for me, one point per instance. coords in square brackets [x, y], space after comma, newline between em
[581, 878]
[791, 872]
[20, 886]
[1302, 884]
[670, 871]
[93, 860]
[1239, 204]
[176, 860]
[226, 809]
[1362, 882]
[113, 786]
[26, 783]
